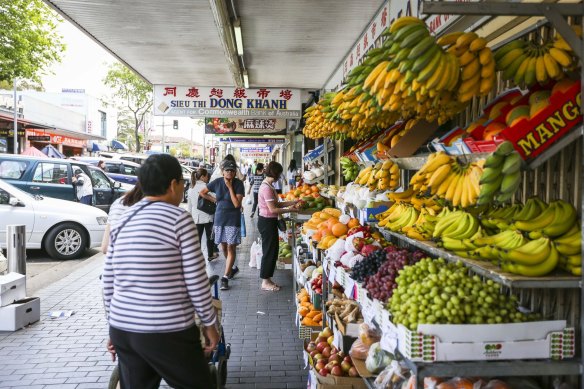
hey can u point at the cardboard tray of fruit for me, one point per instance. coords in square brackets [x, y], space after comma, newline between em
[533, 122]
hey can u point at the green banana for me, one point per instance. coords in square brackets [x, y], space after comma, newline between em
[512, 163]
[531, 253]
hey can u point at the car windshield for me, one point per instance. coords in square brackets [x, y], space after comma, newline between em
[14, 191]
[100, 180]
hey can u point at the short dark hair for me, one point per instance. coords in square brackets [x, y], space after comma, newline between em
[157, 172]
[274, 170]
[260, 166]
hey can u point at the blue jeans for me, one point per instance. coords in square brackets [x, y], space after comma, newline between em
[86, 200]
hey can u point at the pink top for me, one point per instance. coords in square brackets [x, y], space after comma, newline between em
[266, 193]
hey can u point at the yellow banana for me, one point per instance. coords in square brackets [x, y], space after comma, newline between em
[449, 39]
[477, 44]
[551, 66]
[561, 56]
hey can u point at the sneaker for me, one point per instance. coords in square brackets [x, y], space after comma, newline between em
[234, 271]
[224, 283]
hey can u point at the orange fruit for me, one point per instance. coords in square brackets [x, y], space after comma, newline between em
[314, 188]
[317, 236]
[563, 85]
[307, 192]
[353, 223]
[493, 129]
[339, 229]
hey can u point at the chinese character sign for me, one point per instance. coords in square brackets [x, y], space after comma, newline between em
[226, 102]
[242, 126]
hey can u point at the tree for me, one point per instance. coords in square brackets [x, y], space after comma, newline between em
[134, 92]
[29, 41]
[22, 85]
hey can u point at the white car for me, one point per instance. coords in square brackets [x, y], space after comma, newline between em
[65, 229]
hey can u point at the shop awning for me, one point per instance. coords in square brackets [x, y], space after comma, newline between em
[117, 145]
[34, 152]
[52, 152]
[97, 147]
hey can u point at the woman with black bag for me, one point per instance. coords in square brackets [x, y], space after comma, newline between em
[268, 224]
[203, 220]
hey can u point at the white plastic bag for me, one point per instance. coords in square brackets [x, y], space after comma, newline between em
[252, 254]
[259, 254]
[249, 200]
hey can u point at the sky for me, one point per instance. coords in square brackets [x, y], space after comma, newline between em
[84, 65]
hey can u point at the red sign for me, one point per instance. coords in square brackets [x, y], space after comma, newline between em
[58, 139]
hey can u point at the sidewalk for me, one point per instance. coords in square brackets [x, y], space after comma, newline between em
[70, 352]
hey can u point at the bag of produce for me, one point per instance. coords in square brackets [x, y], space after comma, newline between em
[393, 376]
[336, 250]
[252, 254]
[359, 350]
[368, 335]
[377, 358]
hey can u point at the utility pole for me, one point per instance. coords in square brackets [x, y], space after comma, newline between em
[15, 148]
[163, 125]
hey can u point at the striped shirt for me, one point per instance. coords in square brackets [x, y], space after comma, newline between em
[154, 278]
[256, 181]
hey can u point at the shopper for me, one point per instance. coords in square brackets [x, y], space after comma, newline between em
[279, 183]
[218, 173]
[154, 281]
[204, 221]
[117, 209]
[229, 192]
[256, 181]
[269, 210]
[84, 187]
[101, 165]
[292, 173]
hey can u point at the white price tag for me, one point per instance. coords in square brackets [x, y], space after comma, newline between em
[388, 342]
[305, 359]
[338, 339]
[350, 288]
[332, 273]
[325, 267]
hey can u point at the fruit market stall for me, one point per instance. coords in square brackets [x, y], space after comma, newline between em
[463, 265]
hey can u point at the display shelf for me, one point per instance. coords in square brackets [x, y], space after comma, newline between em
[557, 280]
[317, 153]
[318, 179]
[544, 367]
[556, 147]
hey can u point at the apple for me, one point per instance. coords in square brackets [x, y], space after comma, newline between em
[326, 332]
[342, 354]
[321, 346]
[330, 339]
[335, 357]
[326, 352]
[334, 350]
[337, 371]
[332, 364]
[353, 372]
[348, 359]
[323, 372]
[318, 356]
[320, 339]
[311, 347]
[319, 366]
[346, 366]
[313, 353]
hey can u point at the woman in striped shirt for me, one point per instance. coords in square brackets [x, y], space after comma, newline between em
[154, 282]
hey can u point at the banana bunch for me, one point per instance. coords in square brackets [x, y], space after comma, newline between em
[444, 177]
[477, 76]
[529, 62]
[456, 225]
[501, 176]
[401, 216]
[534, 259]
[382, 177]
[569, 246]
[320, 121]
[423, 227]
[350, 169]
[555, 221]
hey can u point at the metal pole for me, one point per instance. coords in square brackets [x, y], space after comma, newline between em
[163, 143]
[16, 248]
[15, 148]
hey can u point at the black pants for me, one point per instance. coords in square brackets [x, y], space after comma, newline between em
[255, 202]
[268, 227]
[207, 228]
[144, 359]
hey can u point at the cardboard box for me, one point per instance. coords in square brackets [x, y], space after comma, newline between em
[534, 135]
[334, 382]
[12, 288]
[467, 342]
[20, 314]
[413, 139]
[367, 215]
[457, 147]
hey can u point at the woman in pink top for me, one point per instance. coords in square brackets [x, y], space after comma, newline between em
[269, 209]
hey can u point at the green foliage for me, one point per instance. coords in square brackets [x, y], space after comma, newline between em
[133, 93]
[182, 150]
[29, 42]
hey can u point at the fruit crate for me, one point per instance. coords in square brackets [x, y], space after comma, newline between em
[476, 342]
[534, 135]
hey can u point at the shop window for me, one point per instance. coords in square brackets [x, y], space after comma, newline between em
[103, 123]
[12, 169]
[4, 197]
[51, 173]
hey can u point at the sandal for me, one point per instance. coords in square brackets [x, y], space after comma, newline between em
[271, 288]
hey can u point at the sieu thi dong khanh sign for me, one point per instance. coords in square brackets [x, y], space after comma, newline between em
[278, 103]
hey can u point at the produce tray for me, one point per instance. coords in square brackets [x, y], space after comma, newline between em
[557, 279]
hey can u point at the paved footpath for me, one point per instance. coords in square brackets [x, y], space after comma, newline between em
[70, 352]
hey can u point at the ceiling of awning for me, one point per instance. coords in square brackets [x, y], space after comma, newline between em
[295, 44]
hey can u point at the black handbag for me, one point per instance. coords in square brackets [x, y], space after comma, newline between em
[282, 225]
[206, 206]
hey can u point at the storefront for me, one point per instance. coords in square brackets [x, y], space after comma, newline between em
[72, 145]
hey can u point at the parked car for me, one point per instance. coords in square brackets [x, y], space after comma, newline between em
[64, 229]
[132, 157]
[117, 169]
[52, 177]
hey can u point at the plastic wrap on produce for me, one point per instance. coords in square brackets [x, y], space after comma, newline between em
[336, 251]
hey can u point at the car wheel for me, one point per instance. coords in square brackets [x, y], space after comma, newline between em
[66, 241]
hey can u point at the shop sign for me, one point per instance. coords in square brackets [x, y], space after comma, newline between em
[226, 102]
[438, 23]
[39, 138]
[58, 139]
[255, 155]
[69, 90]
[267, 149]
[379, 23]
[10, 132]
[245, 126]
[254, 140]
